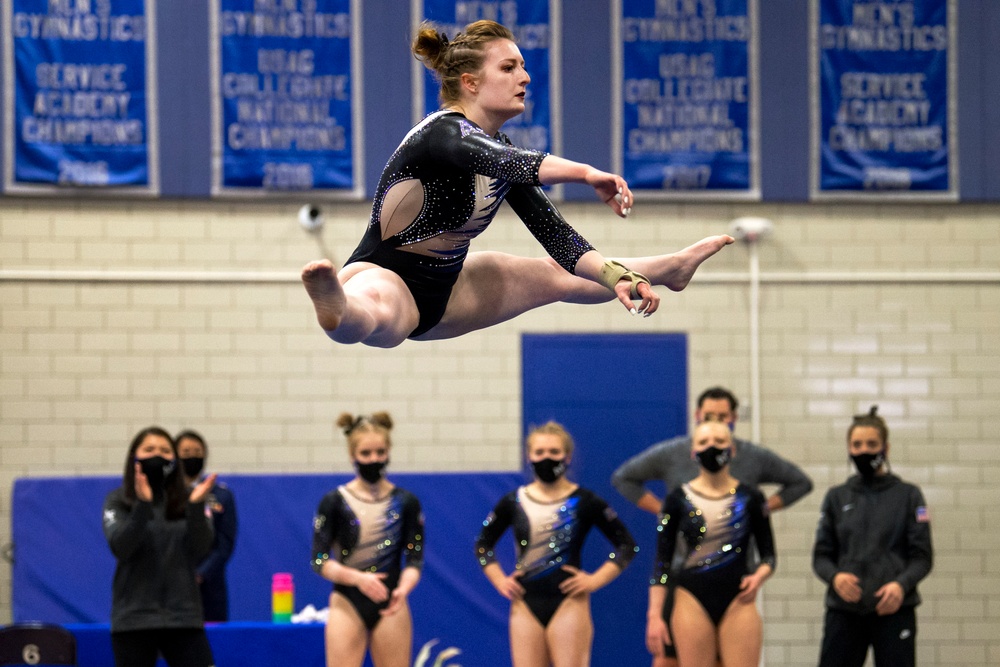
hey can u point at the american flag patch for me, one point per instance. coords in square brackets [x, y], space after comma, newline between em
[923, 516]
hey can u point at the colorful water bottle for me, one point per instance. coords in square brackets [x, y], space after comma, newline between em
[282, 597]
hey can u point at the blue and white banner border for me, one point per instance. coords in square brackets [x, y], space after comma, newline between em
[752, 193]
[815, 125]
[10, 186]
[357, 121]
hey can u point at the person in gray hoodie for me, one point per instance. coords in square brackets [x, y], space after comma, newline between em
[158, 531]
[873, 546]
[670, 461]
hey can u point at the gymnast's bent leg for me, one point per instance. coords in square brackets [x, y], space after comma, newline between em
[363, 303]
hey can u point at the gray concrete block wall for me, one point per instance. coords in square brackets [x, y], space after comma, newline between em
[87, 360]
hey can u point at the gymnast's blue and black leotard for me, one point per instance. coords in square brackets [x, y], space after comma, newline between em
[718, 535]
[440, 189]
[371, 537]
[550, 535]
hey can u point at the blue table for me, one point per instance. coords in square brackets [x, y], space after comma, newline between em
[242, 644]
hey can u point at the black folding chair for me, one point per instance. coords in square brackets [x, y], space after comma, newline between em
[36, 644]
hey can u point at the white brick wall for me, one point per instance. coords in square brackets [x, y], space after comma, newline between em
[85, 364]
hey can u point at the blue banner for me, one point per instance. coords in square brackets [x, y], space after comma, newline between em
[884, 90]
[80, 79]
[533, 26]
[285, 97]
[686, 98]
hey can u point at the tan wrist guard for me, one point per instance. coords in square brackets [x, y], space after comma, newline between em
[613, 271]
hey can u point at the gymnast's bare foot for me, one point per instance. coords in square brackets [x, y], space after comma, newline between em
[326, 293]
[685, 262]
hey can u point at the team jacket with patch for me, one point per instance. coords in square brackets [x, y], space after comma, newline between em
[879, 531]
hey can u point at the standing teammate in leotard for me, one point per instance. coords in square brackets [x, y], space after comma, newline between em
[412, 276]
[368, 540]
[550, 620]
[718, 517]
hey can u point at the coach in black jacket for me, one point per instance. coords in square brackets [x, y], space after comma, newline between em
[158, 532]
[873, 546]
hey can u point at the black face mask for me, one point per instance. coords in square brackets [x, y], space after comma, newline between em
[158, 470]
[193, 465]
[549, 470]
[868, 464]
[371, 472]
[714, 459]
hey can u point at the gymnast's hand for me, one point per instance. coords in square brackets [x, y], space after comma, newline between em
[579, 583]
[650, 299]
[657, 636]
[749, 586]
[510, 587]
[372, 585]
[201, 490]
[890, 599]
[397, 600]
[613, 191]
[847, 586]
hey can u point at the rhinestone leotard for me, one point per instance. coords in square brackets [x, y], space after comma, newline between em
[440, 189]
[717, 534]
[548, 536]
[371, 536]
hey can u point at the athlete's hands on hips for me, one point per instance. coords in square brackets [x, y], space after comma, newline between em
[650, 299]
[372, 584]
[890, 598]
[847, 586]
[510, 587]
[579, 583]
[657, 636]
[613, 191]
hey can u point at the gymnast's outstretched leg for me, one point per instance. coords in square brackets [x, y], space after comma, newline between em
[495, 287]
[674, 271]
